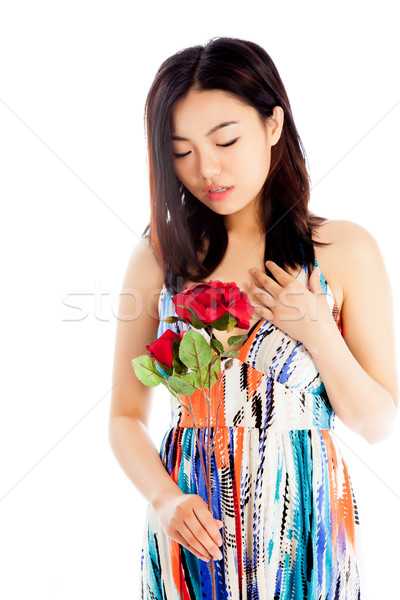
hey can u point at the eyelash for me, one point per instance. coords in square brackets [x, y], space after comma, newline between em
[221, 145]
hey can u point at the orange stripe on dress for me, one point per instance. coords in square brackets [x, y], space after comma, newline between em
[342, 510]
[254, 378]
[178, 574]
[243, 350]
[200, 407]
[175, 563]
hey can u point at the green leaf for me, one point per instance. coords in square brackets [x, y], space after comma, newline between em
[234, 340]
[180, 386]
[171, 319]
[221, 323]
[177, 364]
[167, 370]
[194, 351]
[216, 344]
[215, 369]
[230, 353]
[146, 370]
[215, 359]
[193, 378]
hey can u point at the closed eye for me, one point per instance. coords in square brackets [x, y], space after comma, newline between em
[221, 145]
[180, 155]
[229, 143]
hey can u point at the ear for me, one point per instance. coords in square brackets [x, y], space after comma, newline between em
[274, 124]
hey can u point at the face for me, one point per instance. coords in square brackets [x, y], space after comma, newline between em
[221, 143]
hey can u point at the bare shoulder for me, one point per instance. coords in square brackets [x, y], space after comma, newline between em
[362, 264]
[143, 252]
[343, 234]
[145, 273]
[351, 249]
[137, 324]
[354, 266]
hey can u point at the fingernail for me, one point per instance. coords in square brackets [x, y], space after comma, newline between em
[218, 555]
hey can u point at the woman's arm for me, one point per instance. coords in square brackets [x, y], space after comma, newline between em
[184, 517]
[137, 324]
[359, 369]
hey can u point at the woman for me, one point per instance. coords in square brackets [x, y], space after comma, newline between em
[229, 191]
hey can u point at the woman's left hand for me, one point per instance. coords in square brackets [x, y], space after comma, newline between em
[302, 313]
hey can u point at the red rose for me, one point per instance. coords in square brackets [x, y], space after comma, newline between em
[161, 348]
[210, 301]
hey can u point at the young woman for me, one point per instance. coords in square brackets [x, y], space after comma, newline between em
[229, 191]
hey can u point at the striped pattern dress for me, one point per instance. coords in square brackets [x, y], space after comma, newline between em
[280, 484]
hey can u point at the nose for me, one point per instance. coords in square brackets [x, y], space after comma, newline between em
[209, 165]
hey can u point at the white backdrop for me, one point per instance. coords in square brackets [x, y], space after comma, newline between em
[74, 195]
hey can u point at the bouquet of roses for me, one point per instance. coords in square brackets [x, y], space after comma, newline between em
[186, 363]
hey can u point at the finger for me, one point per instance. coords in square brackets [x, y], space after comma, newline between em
[281, 276]
[216, 534]
[202, 555]
[264, 303]
[192, 535]
[205, 539]
[266, 313]
[260, 297]
[212, 526]
[314, 282]
[264, 281]
[262, 293]
[202, 532]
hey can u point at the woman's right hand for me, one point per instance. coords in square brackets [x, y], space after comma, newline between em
[186, 519]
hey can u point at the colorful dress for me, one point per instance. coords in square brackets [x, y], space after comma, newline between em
[280, 484]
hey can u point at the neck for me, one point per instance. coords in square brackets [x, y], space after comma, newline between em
[244, 224]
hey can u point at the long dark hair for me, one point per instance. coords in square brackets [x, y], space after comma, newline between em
[179, 222]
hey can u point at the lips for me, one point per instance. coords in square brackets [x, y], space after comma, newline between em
[218, 193]
[217, 188]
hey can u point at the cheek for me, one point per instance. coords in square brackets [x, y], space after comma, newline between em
[186, 177]
[261, 162]
[254, 168]
[254, 157]
[182, 171]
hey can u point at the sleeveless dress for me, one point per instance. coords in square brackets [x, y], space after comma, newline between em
[279, 482]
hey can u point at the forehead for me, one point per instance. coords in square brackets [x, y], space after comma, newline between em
[201, 110]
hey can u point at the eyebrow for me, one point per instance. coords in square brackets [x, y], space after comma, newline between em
[178, 138]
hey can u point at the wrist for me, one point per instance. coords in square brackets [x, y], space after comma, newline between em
[165, 493]
[318, 336]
